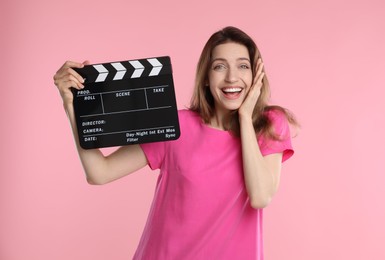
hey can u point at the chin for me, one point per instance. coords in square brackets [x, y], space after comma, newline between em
[231, 108]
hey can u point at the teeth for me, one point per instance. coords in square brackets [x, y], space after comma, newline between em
[231, 90]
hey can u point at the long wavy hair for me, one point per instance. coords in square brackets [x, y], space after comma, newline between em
[202, 100]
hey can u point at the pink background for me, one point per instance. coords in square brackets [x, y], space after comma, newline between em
[325, 61]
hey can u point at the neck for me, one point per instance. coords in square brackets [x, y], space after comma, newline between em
[217, 121]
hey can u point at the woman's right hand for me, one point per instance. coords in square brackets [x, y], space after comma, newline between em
[99, 169]
[66, 78]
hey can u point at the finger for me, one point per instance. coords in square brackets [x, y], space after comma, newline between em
[77, 82]
[256, 87]
[65, 72]
[72, 64]
[66, 86]
[72, 84]
[68, 81]
[68, 64]
[76, 75]
[258, 70]
[259, 62]
[260, 78]
[86, 62]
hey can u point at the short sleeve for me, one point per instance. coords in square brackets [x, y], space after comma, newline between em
[282, 130]
[155, 154]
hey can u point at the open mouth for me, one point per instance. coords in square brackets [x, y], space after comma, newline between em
[232, 92]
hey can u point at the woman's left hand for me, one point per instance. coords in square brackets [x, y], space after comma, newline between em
[251, 99]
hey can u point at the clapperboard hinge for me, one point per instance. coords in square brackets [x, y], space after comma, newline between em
[126, 69]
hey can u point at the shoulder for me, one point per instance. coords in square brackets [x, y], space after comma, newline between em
[279, 122]
[275, 114]
[282, 138]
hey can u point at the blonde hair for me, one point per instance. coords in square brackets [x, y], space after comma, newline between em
[202, 100]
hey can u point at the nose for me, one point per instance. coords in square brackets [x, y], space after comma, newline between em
[231, 75]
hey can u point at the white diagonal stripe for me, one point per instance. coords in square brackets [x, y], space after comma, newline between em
[103, 73]
[121, 70]
[157, 66]
[139, 68]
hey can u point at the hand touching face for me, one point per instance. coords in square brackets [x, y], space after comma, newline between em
[254, 92]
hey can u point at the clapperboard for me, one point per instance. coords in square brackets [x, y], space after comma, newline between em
[127, 102]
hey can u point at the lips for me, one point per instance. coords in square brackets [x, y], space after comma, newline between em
[232, 92]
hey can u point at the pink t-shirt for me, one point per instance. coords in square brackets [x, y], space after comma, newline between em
[201, 209]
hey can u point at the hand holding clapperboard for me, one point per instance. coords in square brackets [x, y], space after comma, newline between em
[128, 102]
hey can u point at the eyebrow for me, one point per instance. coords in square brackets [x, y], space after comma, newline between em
[223, 59]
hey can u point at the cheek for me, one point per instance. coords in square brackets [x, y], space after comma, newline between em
[248, 81]
[212, 90]
[212, 78]
[213, 83]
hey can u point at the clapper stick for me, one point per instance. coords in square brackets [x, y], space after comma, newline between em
[126, 102]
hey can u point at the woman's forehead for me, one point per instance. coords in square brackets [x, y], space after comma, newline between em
[230, 51]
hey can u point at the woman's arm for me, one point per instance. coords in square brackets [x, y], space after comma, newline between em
[99, 169]
[261, 173]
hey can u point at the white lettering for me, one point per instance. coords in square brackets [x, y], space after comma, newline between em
[96, 122]
[123, 94]
[91, 138]
[89, 98]
[143, 133]
[83, 92]
[92, 130]
[157, 90]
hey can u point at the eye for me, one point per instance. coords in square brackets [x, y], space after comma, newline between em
[244, 66]
[219, 66]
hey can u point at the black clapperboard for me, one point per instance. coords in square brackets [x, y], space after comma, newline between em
[127, 102]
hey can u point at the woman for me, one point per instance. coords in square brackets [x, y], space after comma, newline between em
[225, 168]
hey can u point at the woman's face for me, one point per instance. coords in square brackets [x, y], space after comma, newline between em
[230, 76]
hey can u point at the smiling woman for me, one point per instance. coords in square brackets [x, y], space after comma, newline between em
[229, 78]
[224, 169]
[242, 50]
